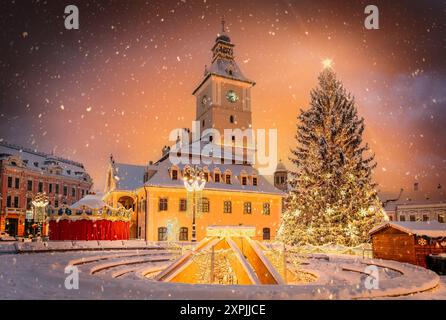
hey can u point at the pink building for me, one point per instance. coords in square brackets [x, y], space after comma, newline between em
[26, 172]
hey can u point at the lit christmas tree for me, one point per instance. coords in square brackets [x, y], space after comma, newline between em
[332, 198]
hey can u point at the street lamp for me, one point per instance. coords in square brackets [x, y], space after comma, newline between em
[194, 182]
[40, 202]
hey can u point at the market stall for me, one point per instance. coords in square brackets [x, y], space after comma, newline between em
[90, 219]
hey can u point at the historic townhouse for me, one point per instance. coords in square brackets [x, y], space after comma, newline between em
[24, 173]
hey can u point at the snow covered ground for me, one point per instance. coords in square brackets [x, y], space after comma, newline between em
[117, 276]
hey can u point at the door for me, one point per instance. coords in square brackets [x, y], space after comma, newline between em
[11, 226]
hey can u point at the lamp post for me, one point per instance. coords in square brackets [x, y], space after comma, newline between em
[40, 202]
[193, 182]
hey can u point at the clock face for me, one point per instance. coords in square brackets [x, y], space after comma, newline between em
[231, 96]
[204, 100]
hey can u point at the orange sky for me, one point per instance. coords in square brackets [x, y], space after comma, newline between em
[124, 80]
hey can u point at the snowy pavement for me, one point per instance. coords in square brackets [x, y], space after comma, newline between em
[116, 276]
[7, 247]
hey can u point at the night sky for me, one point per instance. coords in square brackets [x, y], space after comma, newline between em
[124, 80]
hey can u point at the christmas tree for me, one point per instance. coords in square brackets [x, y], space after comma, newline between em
[332, 196]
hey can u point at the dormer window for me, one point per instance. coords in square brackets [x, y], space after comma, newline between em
[217, 177]
[254, 181]
[174, 174]
[36, 164]
[228, 178]
[244, 181]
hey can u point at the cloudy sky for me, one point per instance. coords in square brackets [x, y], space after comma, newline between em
[124, 80]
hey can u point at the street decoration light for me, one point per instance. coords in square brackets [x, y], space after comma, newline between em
[194, 183]
[40, 203]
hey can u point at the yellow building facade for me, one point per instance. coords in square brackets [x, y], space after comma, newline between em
[234, 194]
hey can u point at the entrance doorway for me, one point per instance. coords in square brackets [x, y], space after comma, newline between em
[129, 203]
[11, 226]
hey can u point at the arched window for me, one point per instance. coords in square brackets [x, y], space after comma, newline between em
[206, 174]
[266, 234]
[174, 173]
[184, 234]
[228, 177]
[162, 204]
[231, 119]
[204, 205]
[162, 234]
[243, 178]
[266, 209]
[217, 175]
[227, 207]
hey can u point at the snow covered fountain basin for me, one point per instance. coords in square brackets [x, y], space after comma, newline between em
[229, 255]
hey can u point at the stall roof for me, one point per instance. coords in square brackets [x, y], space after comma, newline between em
[90, 201]
[432, 229]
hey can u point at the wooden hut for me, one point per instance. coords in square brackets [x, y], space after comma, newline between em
[408, 242]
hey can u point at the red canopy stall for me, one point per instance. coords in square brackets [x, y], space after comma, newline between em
[90, 219]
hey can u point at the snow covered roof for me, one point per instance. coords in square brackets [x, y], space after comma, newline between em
[425, 195]
[281, 167]
[432, 229]
[90, 201]
[162, 178]
[39, 161]
[221, 67]
[128, 176]
[224, 67]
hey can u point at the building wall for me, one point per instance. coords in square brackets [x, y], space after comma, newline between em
[24, 174]
[428, 212]
[218, 109]
[128, 200]
[216, 216]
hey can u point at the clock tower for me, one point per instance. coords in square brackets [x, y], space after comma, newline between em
[223, 97]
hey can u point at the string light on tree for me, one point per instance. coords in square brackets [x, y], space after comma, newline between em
[332, 197]
[327, 63]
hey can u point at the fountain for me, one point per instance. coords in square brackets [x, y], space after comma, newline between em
[227, 255]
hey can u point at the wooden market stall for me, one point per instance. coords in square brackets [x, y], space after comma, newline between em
[408, 242]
